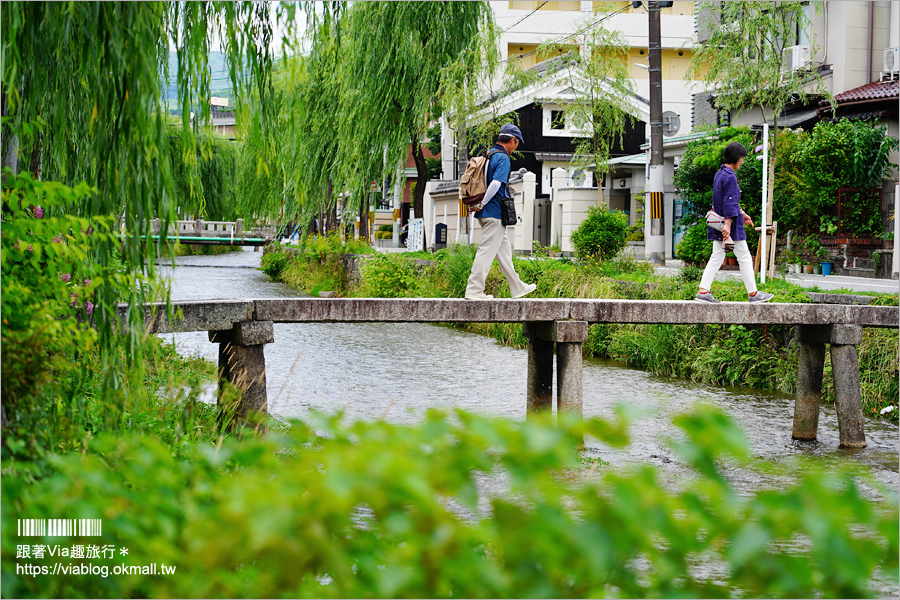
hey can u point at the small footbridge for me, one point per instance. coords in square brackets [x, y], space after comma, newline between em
[223, 233]
[556, 330]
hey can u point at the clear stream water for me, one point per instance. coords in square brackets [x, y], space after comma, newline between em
[396, 371]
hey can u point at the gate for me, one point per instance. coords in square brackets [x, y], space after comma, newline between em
[541, 233]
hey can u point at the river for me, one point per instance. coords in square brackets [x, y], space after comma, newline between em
[396, 371]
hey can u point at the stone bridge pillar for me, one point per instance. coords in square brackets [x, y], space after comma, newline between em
[568, 337]
[242, 364]
[843, 340]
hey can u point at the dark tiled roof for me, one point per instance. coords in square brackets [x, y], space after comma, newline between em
[877, 90]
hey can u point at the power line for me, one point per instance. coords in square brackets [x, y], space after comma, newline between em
[571, 35]
[526, 16]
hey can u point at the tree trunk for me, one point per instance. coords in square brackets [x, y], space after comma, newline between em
[364, 219]
[10, 142]
[330, 209]
[421, 180]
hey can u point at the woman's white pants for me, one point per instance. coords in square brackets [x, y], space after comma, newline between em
[744, 258]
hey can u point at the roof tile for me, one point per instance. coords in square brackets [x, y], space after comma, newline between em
[877, 90]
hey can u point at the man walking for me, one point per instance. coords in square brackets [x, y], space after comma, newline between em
[495, 241]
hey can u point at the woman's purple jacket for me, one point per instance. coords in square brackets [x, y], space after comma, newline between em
[726, 202]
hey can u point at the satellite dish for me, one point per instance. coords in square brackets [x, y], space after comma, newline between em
[671, 123]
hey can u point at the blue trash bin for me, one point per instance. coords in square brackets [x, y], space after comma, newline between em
[826, 267]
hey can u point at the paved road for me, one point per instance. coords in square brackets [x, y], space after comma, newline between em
[823, 282]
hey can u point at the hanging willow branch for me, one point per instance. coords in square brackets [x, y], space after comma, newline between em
[87, 76]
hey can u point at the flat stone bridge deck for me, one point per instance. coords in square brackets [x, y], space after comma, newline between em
[552, 326]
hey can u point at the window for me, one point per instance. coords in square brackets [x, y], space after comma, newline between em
[804, 27]
[557, 120]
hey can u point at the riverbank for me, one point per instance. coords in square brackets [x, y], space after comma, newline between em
[753, 356]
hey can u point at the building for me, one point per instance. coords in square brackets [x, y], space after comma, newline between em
[540, 107]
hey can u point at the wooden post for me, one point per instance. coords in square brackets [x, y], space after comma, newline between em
[770, 232]
[242, 364]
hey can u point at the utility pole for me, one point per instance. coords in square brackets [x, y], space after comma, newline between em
[655, 180]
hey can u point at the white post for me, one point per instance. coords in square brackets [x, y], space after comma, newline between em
[763, 258]
[429, 213]
[529, 184]
[895, 266]
[557, 180]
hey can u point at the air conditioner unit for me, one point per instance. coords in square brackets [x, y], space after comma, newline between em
[796, 57]
[892, 60]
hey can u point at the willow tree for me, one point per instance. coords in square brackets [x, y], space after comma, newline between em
[398, 59]
[743, 60]
[316, 131]
[601, 98]
[81, 89]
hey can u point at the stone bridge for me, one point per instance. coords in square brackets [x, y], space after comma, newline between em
[552, 326]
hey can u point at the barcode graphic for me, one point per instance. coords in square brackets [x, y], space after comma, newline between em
[59, 527]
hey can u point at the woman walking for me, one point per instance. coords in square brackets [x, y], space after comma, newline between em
[726, 202]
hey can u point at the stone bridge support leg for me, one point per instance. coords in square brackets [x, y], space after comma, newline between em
[568, 337]
[242, 367]
[809, 387]
[539, 394]
[847, 395]
[845, 371]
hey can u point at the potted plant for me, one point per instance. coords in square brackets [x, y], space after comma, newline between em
[788, 260]
[812, 247]
[825, 264]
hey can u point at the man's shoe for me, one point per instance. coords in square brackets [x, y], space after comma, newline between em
[481, 296]
[528, 289]
[707, 297]
[761, 297]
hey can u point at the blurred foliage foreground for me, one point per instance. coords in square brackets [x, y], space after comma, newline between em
[461, 506]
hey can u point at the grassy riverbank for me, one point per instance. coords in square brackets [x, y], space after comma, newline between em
[203, 249]
[735, 355]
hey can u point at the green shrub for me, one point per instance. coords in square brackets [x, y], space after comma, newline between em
[386, 228]
[694, 248]
[328, 510]
[273, 264]
[601, 234]
[48, 304]
[843, 154]
[690, 274]
[635, 233]
[388, 276]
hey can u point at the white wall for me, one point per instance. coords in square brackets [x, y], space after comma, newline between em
[444, 208]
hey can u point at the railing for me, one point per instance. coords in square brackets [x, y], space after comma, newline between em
[231, 231]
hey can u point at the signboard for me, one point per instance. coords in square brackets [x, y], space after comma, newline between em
[416, 239]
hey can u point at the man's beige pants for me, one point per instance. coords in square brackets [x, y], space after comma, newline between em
[494, 244]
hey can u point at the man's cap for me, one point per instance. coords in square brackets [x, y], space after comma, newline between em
[514, 131]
